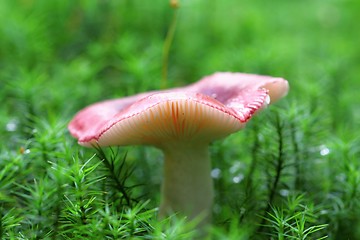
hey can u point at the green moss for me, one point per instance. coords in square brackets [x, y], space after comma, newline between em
[293, 173]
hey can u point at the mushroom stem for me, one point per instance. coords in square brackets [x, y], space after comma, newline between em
[187, 186]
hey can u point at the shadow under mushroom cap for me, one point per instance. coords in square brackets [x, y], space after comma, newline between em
[212, 108]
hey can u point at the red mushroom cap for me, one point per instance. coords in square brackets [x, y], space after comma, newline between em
[212, 108]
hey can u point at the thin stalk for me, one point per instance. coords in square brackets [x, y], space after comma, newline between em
[279, 166]
[115, 174]
[279, 163]
[166, 49]
[83, 216]
[298, 172]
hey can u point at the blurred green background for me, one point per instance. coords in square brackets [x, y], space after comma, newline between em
[92, 50]
[59, 56]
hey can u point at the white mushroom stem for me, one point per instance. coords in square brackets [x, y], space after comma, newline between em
[187, 186]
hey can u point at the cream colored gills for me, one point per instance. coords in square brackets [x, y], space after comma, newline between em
[182, 120]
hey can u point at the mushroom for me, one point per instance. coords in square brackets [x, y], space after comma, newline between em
[181, 122]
